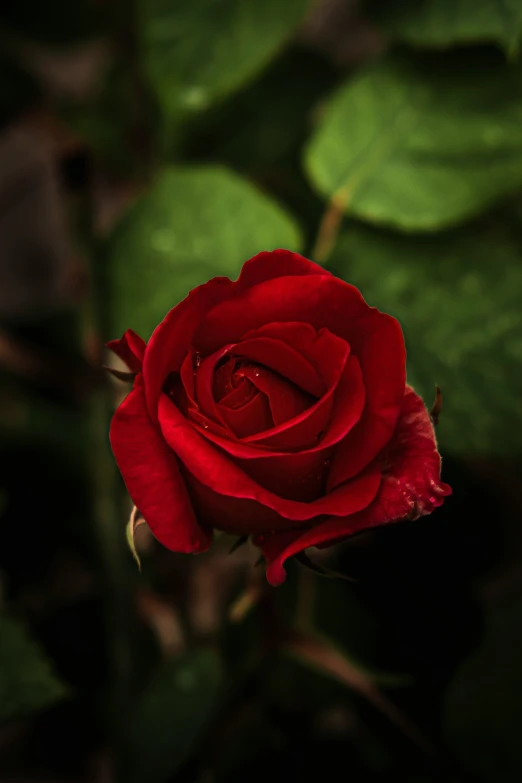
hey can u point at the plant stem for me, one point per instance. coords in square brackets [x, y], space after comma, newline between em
[329, 226]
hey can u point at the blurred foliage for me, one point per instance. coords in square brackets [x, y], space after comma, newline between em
[186, 689]
[468, 345]
[26, 680]
[491, 679]
[446, 23]
[181, 230]
[196, 53]
[172, 140]
[388, 147]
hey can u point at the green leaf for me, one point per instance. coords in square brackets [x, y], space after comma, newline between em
[198, 51]
[457, 296]
[173, 711]
[483, 707]
[422, 143]
[449, 22]
[193, 224]
[27, 683]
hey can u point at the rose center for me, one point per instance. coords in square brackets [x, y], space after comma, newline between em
[252, 398]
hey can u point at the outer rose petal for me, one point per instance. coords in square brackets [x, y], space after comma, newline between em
[318, 300]
[168, 345]
[410, 488]
[151, 473]
[130, 349]
[276, 263]
[379, 345]
[245, 516]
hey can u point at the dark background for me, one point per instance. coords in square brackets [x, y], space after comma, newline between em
[144, 147]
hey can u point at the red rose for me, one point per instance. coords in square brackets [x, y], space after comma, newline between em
[274, 406]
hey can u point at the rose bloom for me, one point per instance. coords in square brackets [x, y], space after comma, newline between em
[276, 407]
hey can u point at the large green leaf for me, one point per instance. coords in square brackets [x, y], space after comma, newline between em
[26, 681]
[483, 708]
[421, 143]
[173, 711]
[198, 51]
[457, 296]
[193, 224]
[449, 22]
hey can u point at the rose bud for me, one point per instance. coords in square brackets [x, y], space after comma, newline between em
[274, 407]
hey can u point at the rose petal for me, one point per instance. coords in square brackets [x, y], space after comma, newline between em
[277, 355]
[285, 399]
[223, 382]
[170, 341]
[151, 474]
[204, 383]
[348, 404]
[306, 429]
[379, 344]
[375, 338]
[276, 263]
[320, 349]
[217, 472]
[303, 477]
[130, 349]
[318, 300]
[410, 488]
[186, 375]
[244, 516]
[207, 425]
[249, 418]
[240, 396]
